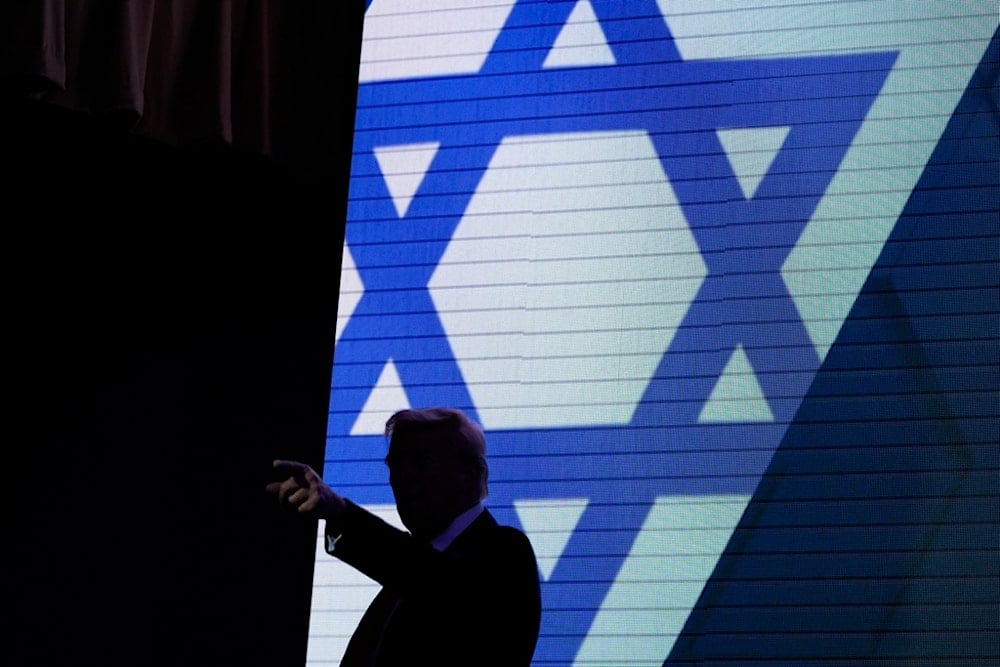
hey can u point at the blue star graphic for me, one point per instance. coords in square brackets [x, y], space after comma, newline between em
[743, 300]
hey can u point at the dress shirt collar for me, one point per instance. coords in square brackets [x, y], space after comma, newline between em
[461, 522]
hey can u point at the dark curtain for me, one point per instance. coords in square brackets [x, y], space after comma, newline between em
[174, 186]
[264, 76]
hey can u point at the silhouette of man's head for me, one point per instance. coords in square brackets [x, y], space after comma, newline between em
[437, 467]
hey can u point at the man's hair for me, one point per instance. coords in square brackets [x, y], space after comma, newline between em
[453, 428]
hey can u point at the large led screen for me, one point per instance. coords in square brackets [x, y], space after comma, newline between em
[623, 235]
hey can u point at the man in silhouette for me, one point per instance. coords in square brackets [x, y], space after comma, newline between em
[458, 588]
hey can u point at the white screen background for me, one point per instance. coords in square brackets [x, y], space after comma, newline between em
[565, 268]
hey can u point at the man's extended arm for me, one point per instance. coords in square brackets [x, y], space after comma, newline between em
[306, 491]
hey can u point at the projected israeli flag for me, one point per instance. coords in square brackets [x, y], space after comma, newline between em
[622, 236]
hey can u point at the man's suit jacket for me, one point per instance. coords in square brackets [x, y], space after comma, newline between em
[477, 603]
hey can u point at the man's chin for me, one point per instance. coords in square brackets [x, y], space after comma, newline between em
[421, 528]
[412, 523]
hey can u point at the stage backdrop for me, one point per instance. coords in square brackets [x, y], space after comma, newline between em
[719, 280]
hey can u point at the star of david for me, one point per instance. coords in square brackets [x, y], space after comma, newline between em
[742, 302]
